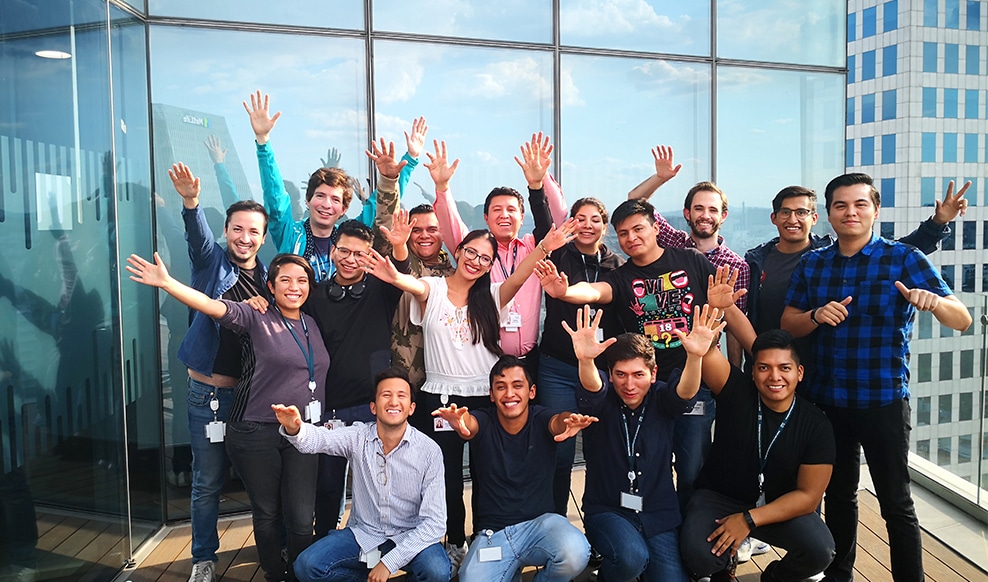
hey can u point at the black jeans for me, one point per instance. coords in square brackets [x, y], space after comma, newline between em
[883, 433]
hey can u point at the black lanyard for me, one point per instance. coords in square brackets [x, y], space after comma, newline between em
[309, 358]
[630, 442]
[586, 270]
[763, 457]
[514, 259]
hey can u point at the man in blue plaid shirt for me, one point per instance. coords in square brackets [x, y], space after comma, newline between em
[862, 293]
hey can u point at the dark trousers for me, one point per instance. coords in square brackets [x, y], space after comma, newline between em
[452, 447]
[883, 433]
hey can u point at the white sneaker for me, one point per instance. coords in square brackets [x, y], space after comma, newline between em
[758, 547]
[203, 572]
[815, 578]
[456, 555]
[744, 551]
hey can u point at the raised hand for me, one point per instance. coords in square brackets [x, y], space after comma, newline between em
[455, 416]
[720, 288]
[952, 205]
[147, 273]
[415, 141]
[401, 228]
[585, 344]
[289, 417]
[553, 282]
[574, 423]
[557, 237]
[214, 146]
[185, 183]
[536, 158]
[379, 266]
[332, 159]
[439, 167]
[384, 157]
[664, 167]
[260, 120]
[706, 327]
[921, 299]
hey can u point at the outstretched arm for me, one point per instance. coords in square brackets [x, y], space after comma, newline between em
[156, 275]
[587, 348]
[464, 423]
[665, 170]
[382, 268]
[565, 425]
[556, 285]
[552, 241]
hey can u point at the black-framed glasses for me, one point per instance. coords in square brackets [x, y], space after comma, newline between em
[345, 253]
[382, 464]
[801, 213]
[473, 255]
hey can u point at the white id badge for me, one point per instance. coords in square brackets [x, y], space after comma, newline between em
[489, 554]
[698, 408]
[514, 321]
[600, 335]
[334, 423]
[440, 424]
[215, 431]
[371, 558]
[632, 502]
[313, 411]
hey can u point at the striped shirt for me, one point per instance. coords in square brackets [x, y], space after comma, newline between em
[400, 496]
[864, 361]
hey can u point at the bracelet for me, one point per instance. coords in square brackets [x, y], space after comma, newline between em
[813, 317]
[542, 248]
[748, 520]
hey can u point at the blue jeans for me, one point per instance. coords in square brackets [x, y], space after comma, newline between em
[281, 484]
[629, 555]
[331, 484]
[691, 443]
[548, 541]
[209, 467]
[336, 557]
[556, 389]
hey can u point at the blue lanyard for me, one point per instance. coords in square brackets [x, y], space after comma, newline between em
[763, 457]
[586, 271]
[514, 259]
[309, 358]
[630, 442]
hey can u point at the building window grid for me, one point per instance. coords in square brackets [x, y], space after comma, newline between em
[972, 60]
[970, 149]
[951, 58]
[868, 151]
[946, 373]
[965, 400]
[890, 16]
[950, 97]
[867, 65]
[888, 104]
[890, 60]
[888, 192]
[967, 279]
[952, 13]
[869, 21]
[943, 451]
[888, 148]
[888, 230]
[970, 238]
[973, 15]
[949, 147]
[868, 108]
[930, 55]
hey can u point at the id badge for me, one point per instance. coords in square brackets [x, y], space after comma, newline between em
[697, 410]
[216, 431]
[489, 554]
[371, 558]
[334, 423]
[440, 424]
[632, 502]
[514, 321]
[600, 335]
[313, 411]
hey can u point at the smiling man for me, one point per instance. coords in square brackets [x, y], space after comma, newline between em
[860, 296]
[398, 514]
[771, 459]
[512, 459]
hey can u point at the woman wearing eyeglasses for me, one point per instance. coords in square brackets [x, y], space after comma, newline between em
[460, 318]
[290, 367]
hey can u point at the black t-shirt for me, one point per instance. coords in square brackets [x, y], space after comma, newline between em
[731, 468]
[657, 298]
[512, 473]
[228, 360]
[774, 284]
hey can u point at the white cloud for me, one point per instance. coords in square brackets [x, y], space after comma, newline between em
[661, 74]
[521, 78]
[607, 17]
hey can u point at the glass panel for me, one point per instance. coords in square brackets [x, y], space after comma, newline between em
[518, 20]
[327, 110]
[890, 15]
[807, 36]
[888, 104]
[595, 127]
[344, 13]
[669, 26]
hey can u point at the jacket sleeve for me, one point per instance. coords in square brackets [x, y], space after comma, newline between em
[557, 203]
[927, 236]
[202, 246]
[450, 224]
[539, 203]
[228, 191]
[276, 200]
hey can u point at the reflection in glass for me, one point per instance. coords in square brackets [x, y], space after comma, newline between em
[789, 31]
[483, 102]
[340, 14]
[518, 20]
[679, 26]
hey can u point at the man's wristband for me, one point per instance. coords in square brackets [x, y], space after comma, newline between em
[748, 520]
[813, 317]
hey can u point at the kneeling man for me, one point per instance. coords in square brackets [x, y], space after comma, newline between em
[512, 459]
[769, 465]
[398, 515]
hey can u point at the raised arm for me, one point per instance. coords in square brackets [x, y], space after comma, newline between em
[556, 285]
[931, 231]
[948, 310]
[217, 153]
[382, 268]
[450, 223]
[665, 170]
[156, 275]
[545, 197]
[587, 348]
[277, 202]
[721, 293]
[700, 341]
[552, 241]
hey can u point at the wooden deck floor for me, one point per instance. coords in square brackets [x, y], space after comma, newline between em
[170, 560]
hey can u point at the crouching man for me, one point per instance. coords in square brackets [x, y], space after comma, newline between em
[512, 458]
[398, 515]
[769, 465]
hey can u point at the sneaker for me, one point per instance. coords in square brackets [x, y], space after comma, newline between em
[203, 572]
[758, 547]
[456, 555]
[744, 551]
[815, 578]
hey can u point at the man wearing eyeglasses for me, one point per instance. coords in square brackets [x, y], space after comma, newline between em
[398, 514]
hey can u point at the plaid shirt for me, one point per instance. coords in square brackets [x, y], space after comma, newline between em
[864, 361]
[671, 237]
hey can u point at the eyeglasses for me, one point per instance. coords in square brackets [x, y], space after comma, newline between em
[472, 255]
[382, 464]
[345, 253]
[801, 213]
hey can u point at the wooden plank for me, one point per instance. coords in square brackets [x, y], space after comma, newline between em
[233, 538]
[963, 567]
[245, 564]
[166, 552]
[58, 534]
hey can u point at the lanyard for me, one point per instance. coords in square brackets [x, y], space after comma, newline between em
[586, 271]
[630, 442]
[309, 359]
[514, 259]
[763, 458]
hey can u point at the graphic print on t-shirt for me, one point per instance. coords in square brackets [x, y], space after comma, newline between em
[661, 306]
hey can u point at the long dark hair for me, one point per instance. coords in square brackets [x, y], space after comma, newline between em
[481, 310]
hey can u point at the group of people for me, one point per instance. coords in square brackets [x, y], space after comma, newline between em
[318, 361]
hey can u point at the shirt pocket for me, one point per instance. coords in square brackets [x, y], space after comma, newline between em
[873, 299]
